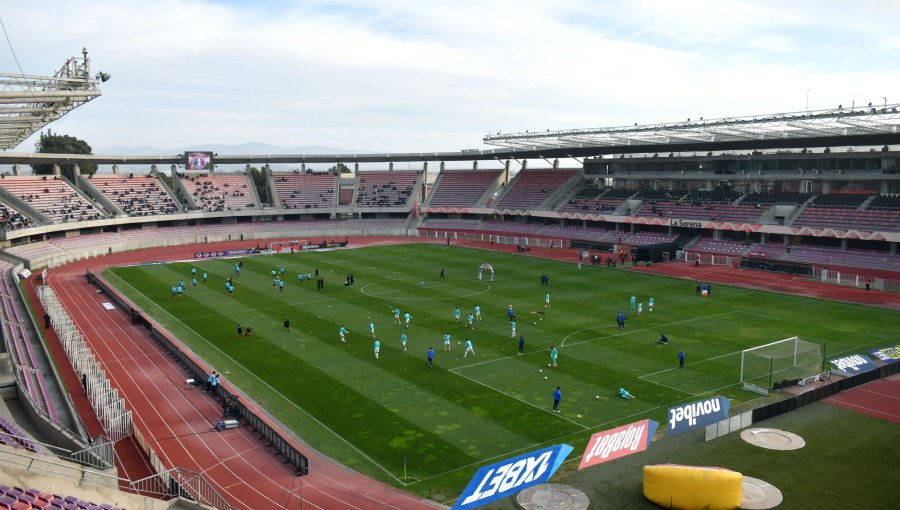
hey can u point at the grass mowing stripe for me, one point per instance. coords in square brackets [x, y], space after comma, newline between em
[263, 382]
[463, 408]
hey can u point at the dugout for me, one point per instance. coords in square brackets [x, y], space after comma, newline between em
[662, 252]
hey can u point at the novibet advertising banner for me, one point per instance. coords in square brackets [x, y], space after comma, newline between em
[618, 442]
[510, 476]
[697, 414]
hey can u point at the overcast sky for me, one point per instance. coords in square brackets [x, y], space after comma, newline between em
[432, 75]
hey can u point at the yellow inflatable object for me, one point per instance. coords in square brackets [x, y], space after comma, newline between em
[693, 487]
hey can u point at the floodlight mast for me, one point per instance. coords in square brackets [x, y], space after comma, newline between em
[30, 102]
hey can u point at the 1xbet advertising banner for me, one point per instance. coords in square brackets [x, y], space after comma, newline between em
[697, 414]
[889, 354]
[510, 476]
[618, 442]
[854, 364]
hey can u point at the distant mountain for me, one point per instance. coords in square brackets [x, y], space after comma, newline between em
[249, 148]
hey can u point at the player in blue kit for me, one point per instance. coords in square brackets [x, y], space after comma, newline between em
[456, 314]
[372, 329]
[205, 277]
[403, 340]
[469, 348]
[343, 332]
[377, 346]
[397, 316]
[406, 318]
[447, 342]
[478, 313]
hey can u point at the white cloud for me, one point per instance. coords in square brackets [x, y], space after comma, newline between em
[404, 75]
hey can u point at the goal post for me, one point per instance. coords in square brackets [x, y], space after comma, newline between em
[791, 358]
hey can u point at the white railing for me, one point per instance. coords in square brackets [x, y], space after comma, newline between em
[110, 408]
[524, 240]
[709, 259]
[854, 280]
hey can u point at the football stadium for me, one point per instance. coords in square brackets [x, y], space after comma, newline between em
[676, 314]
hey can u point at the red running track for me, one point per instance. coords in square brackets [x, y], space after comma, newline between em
[177, 420]
[880, 399]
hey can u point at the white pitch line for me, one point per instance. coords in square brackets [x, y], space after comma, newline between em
[671, 387]
[267, 385]
[689, 364]
[655, 327]
[488, 386]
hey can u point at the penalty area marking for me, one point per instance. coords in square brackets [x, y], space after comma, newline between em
[563, 343]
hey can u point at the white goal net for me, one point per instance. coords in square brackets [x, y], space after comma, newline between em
[792, 358]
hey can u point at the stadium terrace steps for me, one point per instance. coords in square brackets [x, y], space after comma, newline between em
[721, 246]
[305, 190]
[386, 188]
[840, 217]
[466, 188]
[11, 219]
[221, 192]
[532, 188]
[18, 498]
[15, 330]
[53, 197]
[136, 196]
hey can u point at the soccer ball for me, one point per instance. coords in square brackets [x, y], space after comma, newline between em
[545, 377]
[541, 318]
[548, 364]
[540, 370]
[458, 343]
[597, 397]
[579, 416]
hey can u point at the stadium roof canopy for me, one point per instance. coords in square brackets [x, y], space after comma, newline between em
[870, 125]
[28, 103]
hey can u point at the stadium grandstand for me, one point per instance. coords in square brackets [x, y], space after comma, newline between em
[811, 192]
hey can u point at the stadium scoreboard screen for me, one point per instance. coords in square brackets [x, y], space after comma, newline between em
[198, 160]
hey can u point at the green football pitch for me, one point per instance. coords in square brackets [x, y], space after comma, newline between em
[428, 430]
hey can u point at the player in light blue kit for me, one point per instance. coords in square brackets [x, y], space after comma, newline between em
[397, 316]
[174, 292]
[403, 341]
[633, 302]
[470, 321]
[372, 329]
[447, 342]
[343, 332]
[205, 276]
[650, 305]
[478, 313]
[513, 326]
[406, 318]
[194, 281]
[377, 345]
[300, 278]
[547, 300]
[456, 314]
[469, 348]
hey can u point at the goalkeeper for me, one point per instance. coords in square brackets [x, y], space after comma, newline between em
[624, 394]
